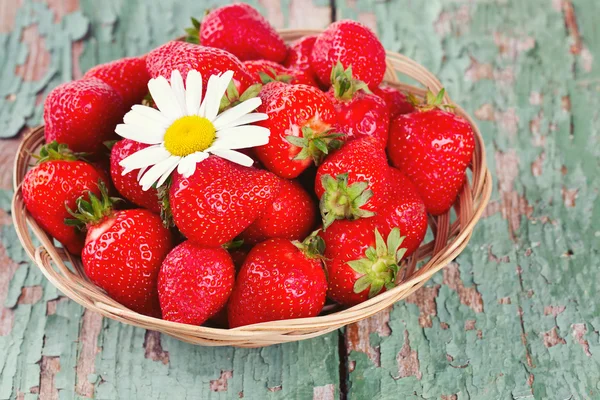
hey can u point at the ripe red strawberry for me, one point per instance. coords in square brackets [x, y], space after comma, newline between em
[123, 251]
[265, 71]
[55, 183]
[353, 182]
[298, 55]
[432, 148]
[397, 102]
[360, 113]
[82, 114]
[241, 30]
[404, 209]
[279, 280]
[128, 76]
[207, 60]
[300, 121]
[128, 185]
[353, 44]
[360, 262]
[219, 200]
[278, 222]
[194, 283]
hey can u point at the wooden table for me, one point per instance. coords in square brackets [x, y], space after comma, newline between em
[516, 316]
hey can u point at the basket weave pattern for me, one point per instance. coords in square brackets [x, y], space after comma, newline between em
[450, 238]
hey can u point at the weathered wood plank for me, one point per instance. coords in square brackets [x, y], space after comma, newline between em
[518, 316]
[51, 347]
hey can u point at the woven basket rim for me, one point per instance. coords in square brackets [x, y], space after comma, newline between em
[451, 237]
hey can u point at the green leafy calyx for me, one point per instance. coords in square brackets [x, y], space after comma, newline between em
[55, 151]
[344, 84]
[381, 264]
[232, 96]
[166, 214]
[93, 210]
[314, 144]
[313, 246]
[193, 32]
[272, 76]
[431, 101]
[343, 201]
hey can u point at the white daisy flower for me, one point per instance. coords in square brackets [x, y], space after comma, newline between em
[186, 129]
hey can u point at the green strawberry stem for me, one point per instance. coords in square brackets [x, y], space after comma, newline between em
[344, 84]
[380, 265]
[343, 201]
[273, 77]
[232, 96]
[233, 244]
[166, 215]
[193, 32]
[313, 246]
[55, 151]
[431, 101]
[315, 145]
[92, 211]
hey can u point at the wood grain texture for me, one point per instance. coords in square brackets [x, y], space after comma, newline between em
[516, 315]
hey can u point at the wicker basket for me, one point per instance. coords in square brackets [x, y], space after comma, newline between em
[451, 237]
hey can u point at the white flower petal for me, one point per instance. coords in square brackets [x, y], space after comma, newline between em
[165, 98]
[140, 120]
[167, 173]
[141, 173]
[187, 166]
[236, 112]
[241, 137]
[245, 120]
[178, 90]
[199, 156]
[157, 171]
[140, 134]
[143, 158]
[186, 163]
[234, 156]
[193, 92]
[214, 94]
[150, 113]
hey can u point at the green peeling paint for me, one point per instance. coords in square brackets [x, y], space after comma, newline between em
[532, 71]
[509, 63]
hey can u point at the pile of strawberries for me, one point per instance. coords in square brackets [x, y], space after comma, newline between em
[334, 204]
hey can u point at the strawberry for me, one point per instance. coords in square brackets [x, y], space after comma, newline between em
[279, 280]
[128, 185]
[82, 114]
[128, 76]
[123, 251]
[206, 60]
[219, 200]
[265, 71]
[57, 181]
[298, 55]
[352, 182]
[352, 44]
[360, 263]
[396, 101]
[194, 283]
[360, 113]
[300, 121]
[404, 209]
[277, 221]
[242, 31]
[433, 148]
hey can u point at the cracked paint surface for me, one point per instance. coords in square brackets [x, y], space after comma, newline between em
[519, 317]
[516, 315]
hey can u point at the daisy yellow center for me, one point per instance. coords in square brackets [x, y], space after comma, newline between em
[188, 135]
